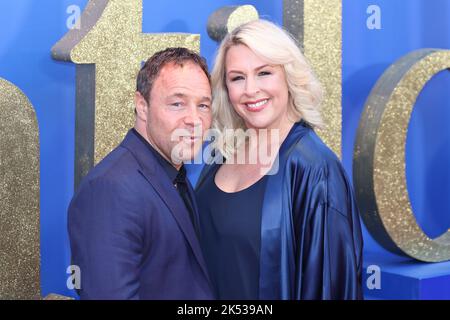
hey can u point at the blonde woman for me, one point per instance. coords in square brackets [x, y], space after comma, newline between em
[287, 228]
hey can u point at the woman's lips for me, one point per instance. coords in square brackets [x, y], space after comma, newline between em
[255, 106]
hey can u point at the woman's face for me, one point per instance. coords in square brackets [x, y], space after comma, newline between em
[257, 89]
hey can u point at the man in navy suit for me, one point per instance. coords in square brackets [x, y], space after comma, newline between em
[133, 223]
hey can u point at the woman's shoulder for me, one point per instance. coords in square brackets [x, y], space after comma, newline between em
[312, 162]
[309, 149]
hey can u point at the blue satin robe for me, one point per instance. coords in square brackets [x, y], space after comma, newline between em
[311, 242]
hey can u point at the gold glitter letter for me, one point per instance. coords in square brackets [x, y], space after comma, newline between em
[226, 19]
[108, 50]
[317, 25]
[379, 158]
[19, 194]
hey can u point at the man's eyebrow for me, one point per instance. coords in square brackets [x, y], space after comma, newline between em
[178, 95]
[205, 98]
[183, 95]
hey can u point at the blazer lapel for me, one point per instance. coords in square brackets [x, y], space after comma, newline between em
[167, 192]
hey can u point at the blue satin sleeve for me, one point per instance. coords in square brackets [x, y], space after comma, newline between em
[311, 242]
[327, 235]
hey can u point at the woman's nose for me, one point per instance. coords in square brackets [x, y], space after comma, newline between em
[251, 86]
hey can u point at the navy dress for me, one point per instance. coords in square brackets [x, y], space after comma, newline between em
[310, 234]
[231, 237]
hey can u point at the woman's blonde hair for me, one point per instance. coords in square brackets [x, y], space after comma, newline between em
[275, 45]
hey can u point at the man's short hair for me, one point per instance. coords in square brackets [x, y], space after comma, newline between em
[150, 70]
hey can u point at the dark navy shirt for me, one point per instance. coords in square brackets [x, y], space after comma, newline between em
[230, 226]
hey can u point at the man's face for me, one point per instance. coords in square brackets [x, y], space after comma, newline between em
[179, 111]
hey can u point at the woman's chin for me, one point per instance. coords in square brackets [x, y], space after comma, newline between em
[257, 125]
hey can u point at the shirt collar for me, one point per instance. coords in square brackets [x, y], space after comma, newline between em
[170, 170]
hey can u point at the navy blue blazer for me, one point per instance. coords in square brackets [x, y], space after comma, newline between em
[131, 234]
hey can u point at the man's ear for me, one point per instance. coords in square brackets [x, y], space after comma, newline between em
[141, 106]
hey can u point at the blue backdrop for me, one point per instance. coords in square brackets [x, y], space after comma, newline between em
[30, 28]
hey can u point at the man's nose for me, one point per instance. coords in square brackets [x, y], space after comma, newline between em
[192, 117]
